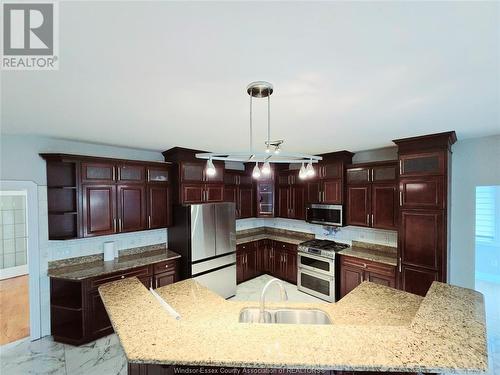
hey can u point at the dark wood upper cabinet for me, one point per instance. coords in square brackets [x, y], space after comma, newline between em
[158, 207]
[283, 201]
[160, 175]
[98, 172]
[298, 204]
[130, 173]
[131, 207]
[332, 192]
[99, 210]
[192, 193]
[192, 172]
[358, 175]
[245, 201]
[359, 205]
[90, 196]
[214, 193]
[384, 173]
[265, 198]
[423, 192]
[313, 192]
[328, 170]
[230, 193]
[372, 195]
[384, 206]
[422, 164]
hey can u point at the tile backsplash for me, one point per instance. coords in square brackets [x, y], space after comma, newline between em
[342, 234]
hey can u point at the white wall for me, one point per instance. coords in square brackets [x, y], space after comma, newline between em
[19, 160]
[475, 162]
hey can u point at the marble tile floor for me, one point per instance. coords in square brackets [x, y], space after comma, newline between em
[105, 356]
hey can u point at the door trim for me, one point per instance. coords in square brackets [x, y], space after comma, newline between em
[33, 252]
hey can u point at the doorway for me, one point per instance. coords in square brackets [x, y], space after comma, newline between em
[487, 272]
[19, 262]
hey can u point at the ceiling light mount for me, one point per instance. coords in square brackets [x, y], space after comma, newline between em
[260, 89]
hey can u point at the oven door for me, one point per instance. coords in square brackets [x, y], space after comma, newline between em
[316, 284]
[315, 263]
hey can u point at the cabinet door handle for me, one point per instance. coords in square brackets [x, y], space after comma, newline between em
[114, 224]
[372, 175]
[120, 227]
[400, 265]
[372, 220]
[400, 166]
[147, 175]
[368, 219]
[400, 198]
[149, 221]
[114, 173]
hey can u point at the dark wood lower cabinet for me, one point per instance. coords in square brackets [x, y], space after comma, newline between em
[154, 369]
[417, 280]
[276, 258]
[78, 314]
[353, 271]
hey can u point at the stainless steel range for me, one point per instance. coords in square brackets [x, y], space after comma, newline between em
[316, 268]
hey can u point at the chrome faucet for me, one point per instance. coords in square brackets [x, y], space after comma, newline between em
[283, 294]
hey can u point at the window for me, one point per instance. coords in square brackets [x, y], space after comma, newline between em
[486, 205]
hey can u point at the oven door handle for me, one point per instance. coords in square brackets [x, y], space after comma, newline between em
[316, 274]
[312, 256]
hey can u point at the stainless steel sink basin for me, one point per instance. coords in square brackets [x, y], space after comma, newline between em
[284, 316]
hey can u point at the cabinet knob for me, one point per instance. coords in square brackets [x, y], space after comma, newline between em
[122, 277]
[166, 265]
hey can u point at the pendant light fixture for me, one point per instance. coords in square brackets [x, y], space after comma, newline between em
[266, 168]
[256, 171]
[310, 169]
[210, 170]
[302, 172]
[272, 152]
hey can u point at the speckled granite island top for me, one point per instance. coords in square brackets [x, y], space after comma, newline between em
[81, 269]
[374, 328]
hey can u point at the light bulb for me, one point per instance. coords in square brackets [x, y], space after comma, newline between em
[302, 172]
[266, 168]
[210, 170]
[256, 171]
[268, 150]
[310, 169]
[277, 150]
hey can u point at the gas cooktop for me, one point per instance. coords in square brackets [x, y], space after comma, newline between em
[324, 248]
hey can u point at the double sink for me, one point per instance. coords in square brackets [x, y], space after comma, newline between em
[284, 316]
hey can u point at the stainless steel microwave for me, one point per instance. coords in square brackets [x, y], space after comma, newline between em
[325, 214]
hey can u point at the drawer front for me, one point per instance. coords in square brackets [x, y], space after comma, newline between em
[246, 246]
[136, 272]
[166, 266]
[368, 265]
[285, 246]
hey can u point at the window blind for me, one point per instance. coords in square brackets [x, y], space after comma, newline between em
[485, 212]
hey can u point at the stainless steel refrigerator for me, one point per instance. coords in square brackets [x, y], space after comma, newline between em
[205, 236]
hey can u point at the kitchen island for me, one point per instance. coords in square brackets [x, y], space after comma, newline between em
[374, 328]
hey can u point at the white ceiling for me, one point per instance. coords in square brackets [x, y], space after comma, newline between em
[347, 75]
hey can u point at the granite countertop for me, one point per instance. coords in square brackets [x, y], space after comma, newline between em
[373, 252]
[92, 266]
[263, 233]
[375, 328]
